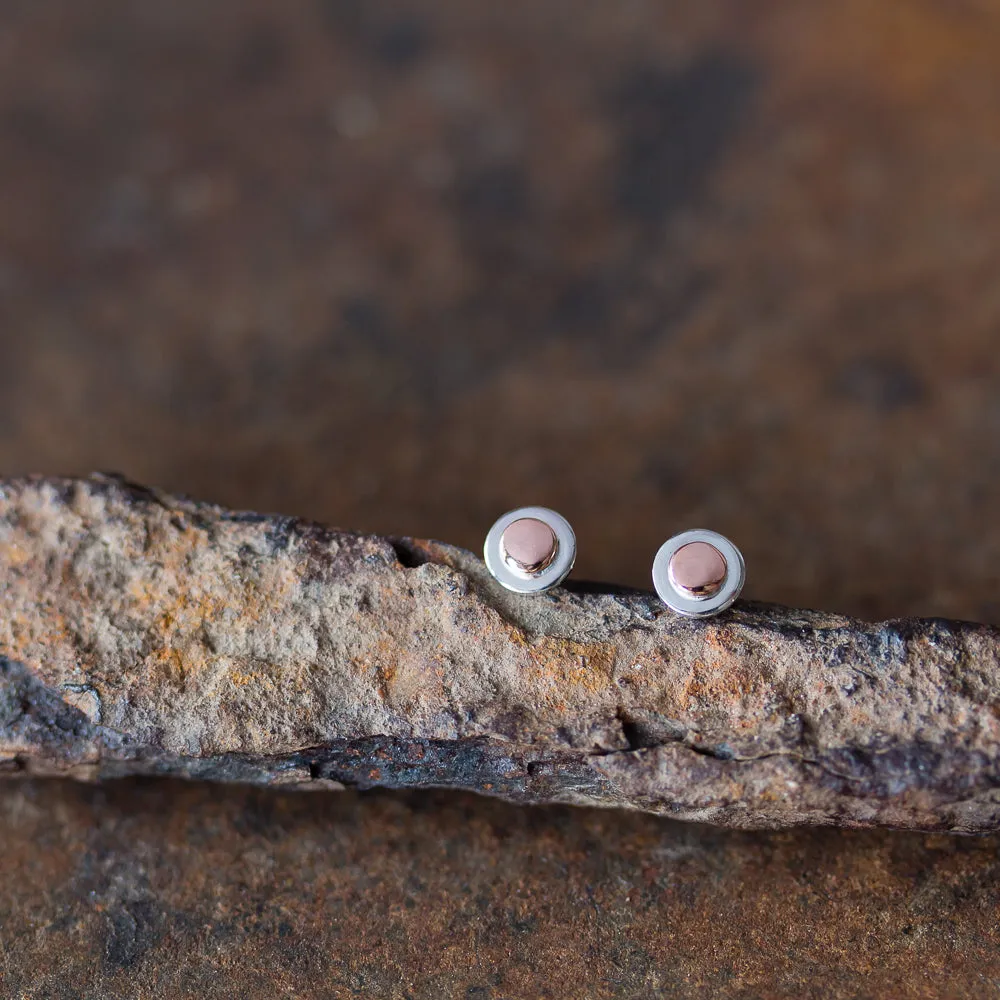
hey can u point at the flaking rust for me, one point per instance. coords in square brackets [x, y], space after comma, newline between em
[145, 633]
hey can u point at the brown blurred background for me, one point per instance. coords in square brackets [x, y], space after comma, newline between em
[402, 266]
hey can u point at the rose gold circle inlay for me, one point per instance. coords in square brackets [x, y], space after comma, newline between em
[698, 568]
[529, 545]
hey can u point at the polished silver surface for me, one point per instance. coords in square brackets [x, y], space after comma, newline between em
[552, 574]
[682, 601]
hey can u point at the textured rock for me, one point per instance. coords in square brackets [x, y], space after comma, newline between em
[149, 634]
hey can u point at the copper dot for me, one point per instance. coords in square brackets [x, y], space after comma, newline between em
[528, 545]
[698, 568]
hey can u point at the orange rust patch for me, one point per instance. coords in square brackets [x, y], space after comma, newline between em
[385, 656]
[723, 681]
[13, 554]
[570, 664]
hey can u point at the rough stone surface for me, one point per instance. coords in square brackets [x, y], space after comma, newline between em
[146, 633]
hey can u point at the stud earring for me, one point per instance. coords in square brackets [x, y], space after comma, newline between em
[698, 573]
[530, 549]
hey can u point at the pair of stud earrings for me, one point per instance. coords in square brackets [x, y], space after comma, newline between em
[696, 573]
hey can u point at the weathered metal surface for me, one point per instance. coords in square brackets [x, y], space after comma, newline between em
[143, 633]
[163, 890]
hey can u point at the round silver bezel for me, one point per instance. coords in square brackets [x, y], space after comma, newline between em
[553, 574]
[682, 602]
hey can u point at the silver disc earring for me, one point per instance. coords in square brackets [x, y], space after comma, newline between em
[698, 573]
[530, 549]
